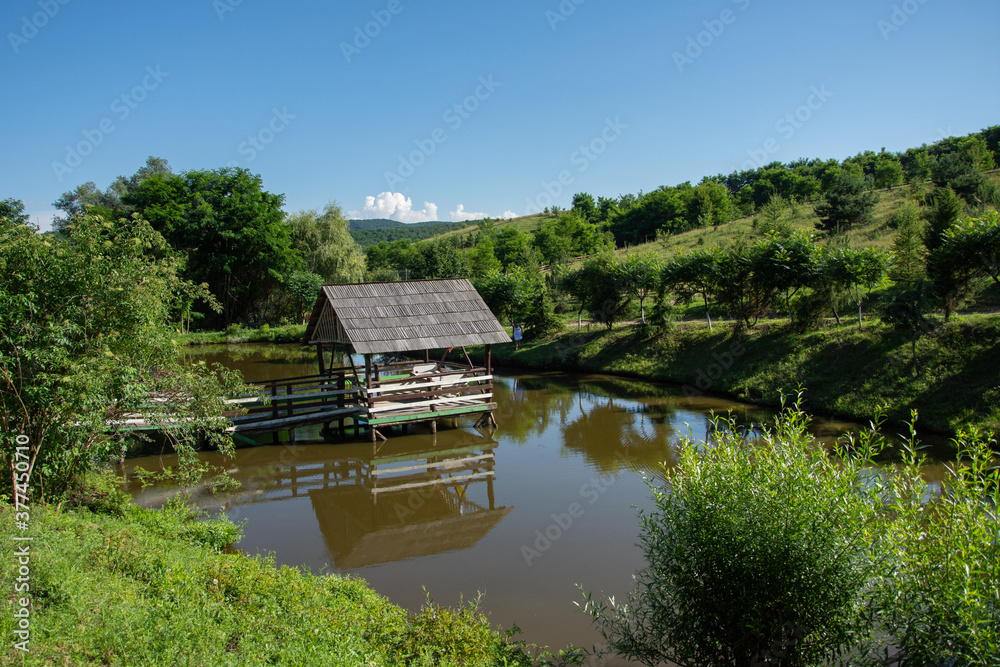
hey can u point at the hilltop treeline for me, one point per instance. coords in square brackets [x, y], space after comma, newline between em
[259, 264]
[367, 233]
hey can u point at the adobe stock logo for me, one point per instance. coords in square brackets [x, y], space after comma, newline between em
[787, 125]
[122, 106]
[363, 35]
[454, 116]
[37, 21]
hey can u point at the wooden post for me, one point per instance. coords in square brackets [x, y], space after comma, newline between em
[275, 439]
[291, 412]
[341, 399]
[489, 360]
[320, 359]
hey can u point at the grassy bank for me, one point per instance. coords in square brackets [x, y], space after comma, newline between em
[115, 584]
[846, 371]
[291, 333]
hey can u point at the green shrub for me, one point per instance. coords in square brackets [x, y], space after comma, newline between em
[758, 552]
[941, 602]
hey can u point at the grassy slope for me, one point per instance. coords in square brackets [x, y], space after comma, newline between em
[131, 586]
[845, 371]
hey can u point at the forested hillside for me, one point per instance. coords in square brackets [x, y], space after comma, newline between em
[369, 232]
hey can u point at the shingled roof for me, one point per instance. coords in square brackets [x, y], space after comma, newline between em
[403, 316]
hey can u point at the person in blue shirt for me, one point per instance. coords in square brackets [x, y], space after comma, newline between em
[517, 336]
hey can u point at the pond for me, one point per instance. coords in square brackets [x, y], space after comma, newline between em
[522, 514]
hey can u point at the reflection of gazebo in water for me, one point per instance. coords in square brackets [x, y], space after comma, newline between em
[407, 502]
[407, 317]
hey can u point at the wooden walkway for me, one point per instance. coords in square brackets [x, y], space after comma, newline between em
[345, 400]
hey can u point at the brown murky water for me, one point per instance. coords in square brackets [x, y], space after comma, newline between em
[523, 515]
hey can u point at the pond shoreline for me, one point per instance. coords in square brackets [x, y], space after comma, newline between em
[846, 372]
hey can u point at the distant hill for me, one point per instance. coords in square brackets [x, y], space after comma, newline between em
[369, 232]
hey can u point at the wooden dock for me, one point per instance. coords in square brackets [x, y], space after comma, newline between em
[347, 402]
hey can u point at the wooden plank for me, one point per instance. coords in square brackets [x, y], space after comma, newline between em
[431, 464]
[426, 416]
[445, 480]
[382, 407]
[429, 383]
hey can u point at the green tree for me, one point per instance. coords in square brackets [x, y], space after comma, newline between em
[788, 264]
[745, 286]
[326, 246]
[772, 218]
[692, 274]
[888, 172]
[85, 343]
[848, 202]
[512, 247]
[959, 171]
[941, 605]
[481, 259]
[946, 209]
[908, 247]
[304, 288]
[508, 295]
[857, 271]
[584, 206]
[12, 210]
[642, 278]
[758, 552]
[968, 252]
[231, 230]
[710, 205]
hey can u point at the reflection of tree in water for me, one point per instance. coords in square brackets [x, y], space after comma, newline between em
[615, 435]
[527, 406]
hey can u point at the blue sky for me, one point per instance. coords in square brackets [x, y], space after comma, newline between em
[417, 110]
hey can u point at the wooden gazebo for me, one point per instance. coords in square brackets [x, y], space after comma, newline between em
[408, 318]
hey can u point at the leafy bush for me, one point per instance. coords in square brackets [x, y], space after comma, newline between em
[758, 552]
[772, 552]
[941, 602]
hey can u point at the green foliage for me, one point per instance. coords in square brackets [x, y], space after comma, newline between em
[416, 261]
[508, 295]
[304, 288]
[961, 172]
[104, 577]
[84, 345]
[771, 220]
[888, 173]
[769, 551]
[231, 230]
[325, 246]
[908, 248]
[857, 272]
[601, 288]
[365, 232]
[848, 203]
[584, 206]
[568, 236]
[12, 210]
[941, 603]
[945, 211]
[692, 274]
[642, 275]
[758, 552]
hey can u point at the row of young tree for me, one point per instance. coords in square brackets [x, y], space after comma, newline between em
[939, 261]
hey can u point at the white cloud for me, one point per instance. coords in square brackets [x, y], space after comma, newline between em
[394, 206]
[508, 214]
[461, 215]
